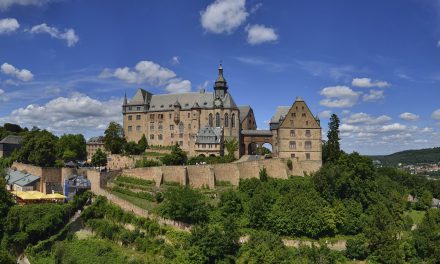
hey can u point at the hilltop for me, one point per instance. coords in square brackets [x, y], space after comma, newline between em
[429, 155]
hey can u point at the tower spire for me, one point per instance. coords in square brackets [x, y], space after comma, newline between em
[125, 99]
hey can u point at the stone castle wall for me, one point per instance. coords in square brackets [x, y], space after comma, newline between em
[207, 175]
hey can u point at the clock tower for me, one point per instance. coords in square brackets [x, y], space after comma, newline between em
[220, 87]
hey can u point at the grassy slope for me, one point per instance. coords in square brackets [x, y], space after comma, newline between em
[411, 157]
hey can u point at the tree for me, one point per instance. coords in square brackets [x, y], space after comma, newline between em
[114, 140]
[426, 236]
[99, 159]
[5, 201]
[177, 156]
[424, 201]
[332, 147]
[131, 148]
[143, 143]
[184, 204]
[231, 146]
[71, 147]
[39, 148]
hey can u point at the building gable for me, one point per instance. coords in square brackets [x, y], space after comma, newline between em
[299, 116]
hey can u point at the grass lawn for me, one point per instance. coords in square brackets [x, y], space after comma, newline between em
[142, 203]
[416, 216]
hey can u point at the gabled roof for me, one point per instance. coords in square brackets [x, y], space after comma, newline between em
[244, 111]
[280, 113]
[96, 140]
[11, 139]
[20, 178]
[209, 135]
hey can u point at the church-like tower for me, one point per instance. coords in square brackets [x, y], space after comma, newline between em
[220, 86]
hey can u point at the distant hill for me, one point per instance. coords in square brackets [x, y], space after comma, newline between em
[430, 155]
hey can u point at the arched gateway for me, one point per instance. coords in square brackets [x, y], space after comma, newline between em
[255, 138]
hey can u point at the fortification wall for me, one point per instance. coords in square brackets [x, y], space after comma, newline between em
[199, 176]
[117, 162]
[174, 174]
[249, 169]
[227, 172]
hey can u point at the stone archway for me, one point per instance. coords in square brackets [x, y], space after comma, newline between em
[254, 138]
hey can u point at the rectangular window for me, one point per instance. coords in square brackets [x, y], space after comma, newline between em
[203, 145]
[170, 116]
[308, 134]
[138, 108]
[307, 123]
[308, 144]
[189, 126]
[151, 136]
[171, 127]
[172, 135]
[159, 136]
[181, 143]
[307, 156]
[130, 128]
[160, 116]
[292, 144]
[129, 108]
[151, 126]
[138, 117]
[160, 126]
[292, 155]
[138, 128]
[152, 116]
[181, 135]
[292, 133]
[130, 117]
[303, 115]
[189, 115]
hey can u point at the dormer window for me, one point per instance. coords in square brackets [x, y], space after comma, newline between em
[138, 108]
[161, 106]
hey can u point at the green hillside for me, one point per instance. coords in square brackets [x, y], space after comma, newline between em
[430, 155]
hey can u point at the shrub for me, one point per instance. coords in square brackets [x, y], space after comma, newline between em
[144, 163]
[289, 164]
[357, 248]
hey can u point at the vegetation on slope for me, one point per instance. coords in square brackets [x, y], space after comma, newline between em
[430, 155]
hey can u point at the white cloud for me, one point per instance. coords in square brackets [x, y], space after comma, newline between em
[2, 96]
[363, 118]
[179, 86]
[325, 114]
[203, 86]
[5, 4]
[409, 116]
[76, 113]
[368, 83]
[438, 44]
[68, 34]
[24, 75]
[393, 127]
[436, 114]
[329, 70]
[223, 16]
[373, 96]
[8, 25]
[150, 73]
[175, 60]
[339, 96]
[255, 8]
[258, 34]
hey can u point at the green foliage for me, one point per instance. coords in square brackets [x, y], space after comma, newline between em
[332, 146]
[144, 162]
[5, 203]
[263, 247]
[426, 237]
[143, 143]
[6, 258]
[39, 148]
[211, 160]
[177, 157]
[263, 175]
[429, 155]
[231, 146]
[289, 164]
[424, 201]
[230, 204]
[262, 151]
[143, 195]
[99, 159]
[135, 181]
[71, 147]
[114, 140]
[357, 248]
[184, 204]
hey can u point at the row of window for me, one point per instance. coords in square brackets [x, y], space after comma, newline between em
[217, 120]
[307, 133]
[307, 144]
[206, 145]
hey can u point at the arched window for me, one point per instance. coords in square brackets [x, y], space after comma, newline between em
[233, 120]
[217, 120]
[226, 120]
[210, 120]
[181, 127]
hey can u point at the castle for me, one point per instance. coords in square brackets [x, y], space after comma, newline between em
[201, 122]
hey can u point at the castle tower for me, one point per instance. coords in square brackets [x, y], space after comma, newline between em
[220, 86]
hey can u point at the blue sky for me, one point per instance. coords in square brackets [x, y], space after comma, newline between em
[66, 64]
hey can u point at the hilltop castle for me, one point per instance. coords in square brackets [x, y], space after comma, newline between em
[201, 122]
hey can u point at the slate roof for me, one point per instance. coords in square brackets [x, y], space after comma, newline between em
[95, 140]
[266, 133]
[244, 111]
[20, 178]
[15, 140]
[209, 135]
[166, 102]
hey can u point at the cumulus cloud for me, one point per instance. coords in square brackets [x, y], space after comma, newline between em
[2, 96]
[363, 118]
[5, 4]
[368, 83]
[23, 74]
[436, 114]
[8, 25]
[69, 34]
[409, 116]
[325, 114]
[203, 86]
[373, 96]
[224, 16]
[178, 86]
[150, 73]
[258, 34]
[395, 127]
[77, 112]
[339, 96]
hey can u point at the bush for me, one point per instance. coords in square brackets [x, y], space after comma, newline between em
[135, 181]
[177, 157]
[289, 164]
[263, 175]
[357, 248]
[143, 195]
[144, 163]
